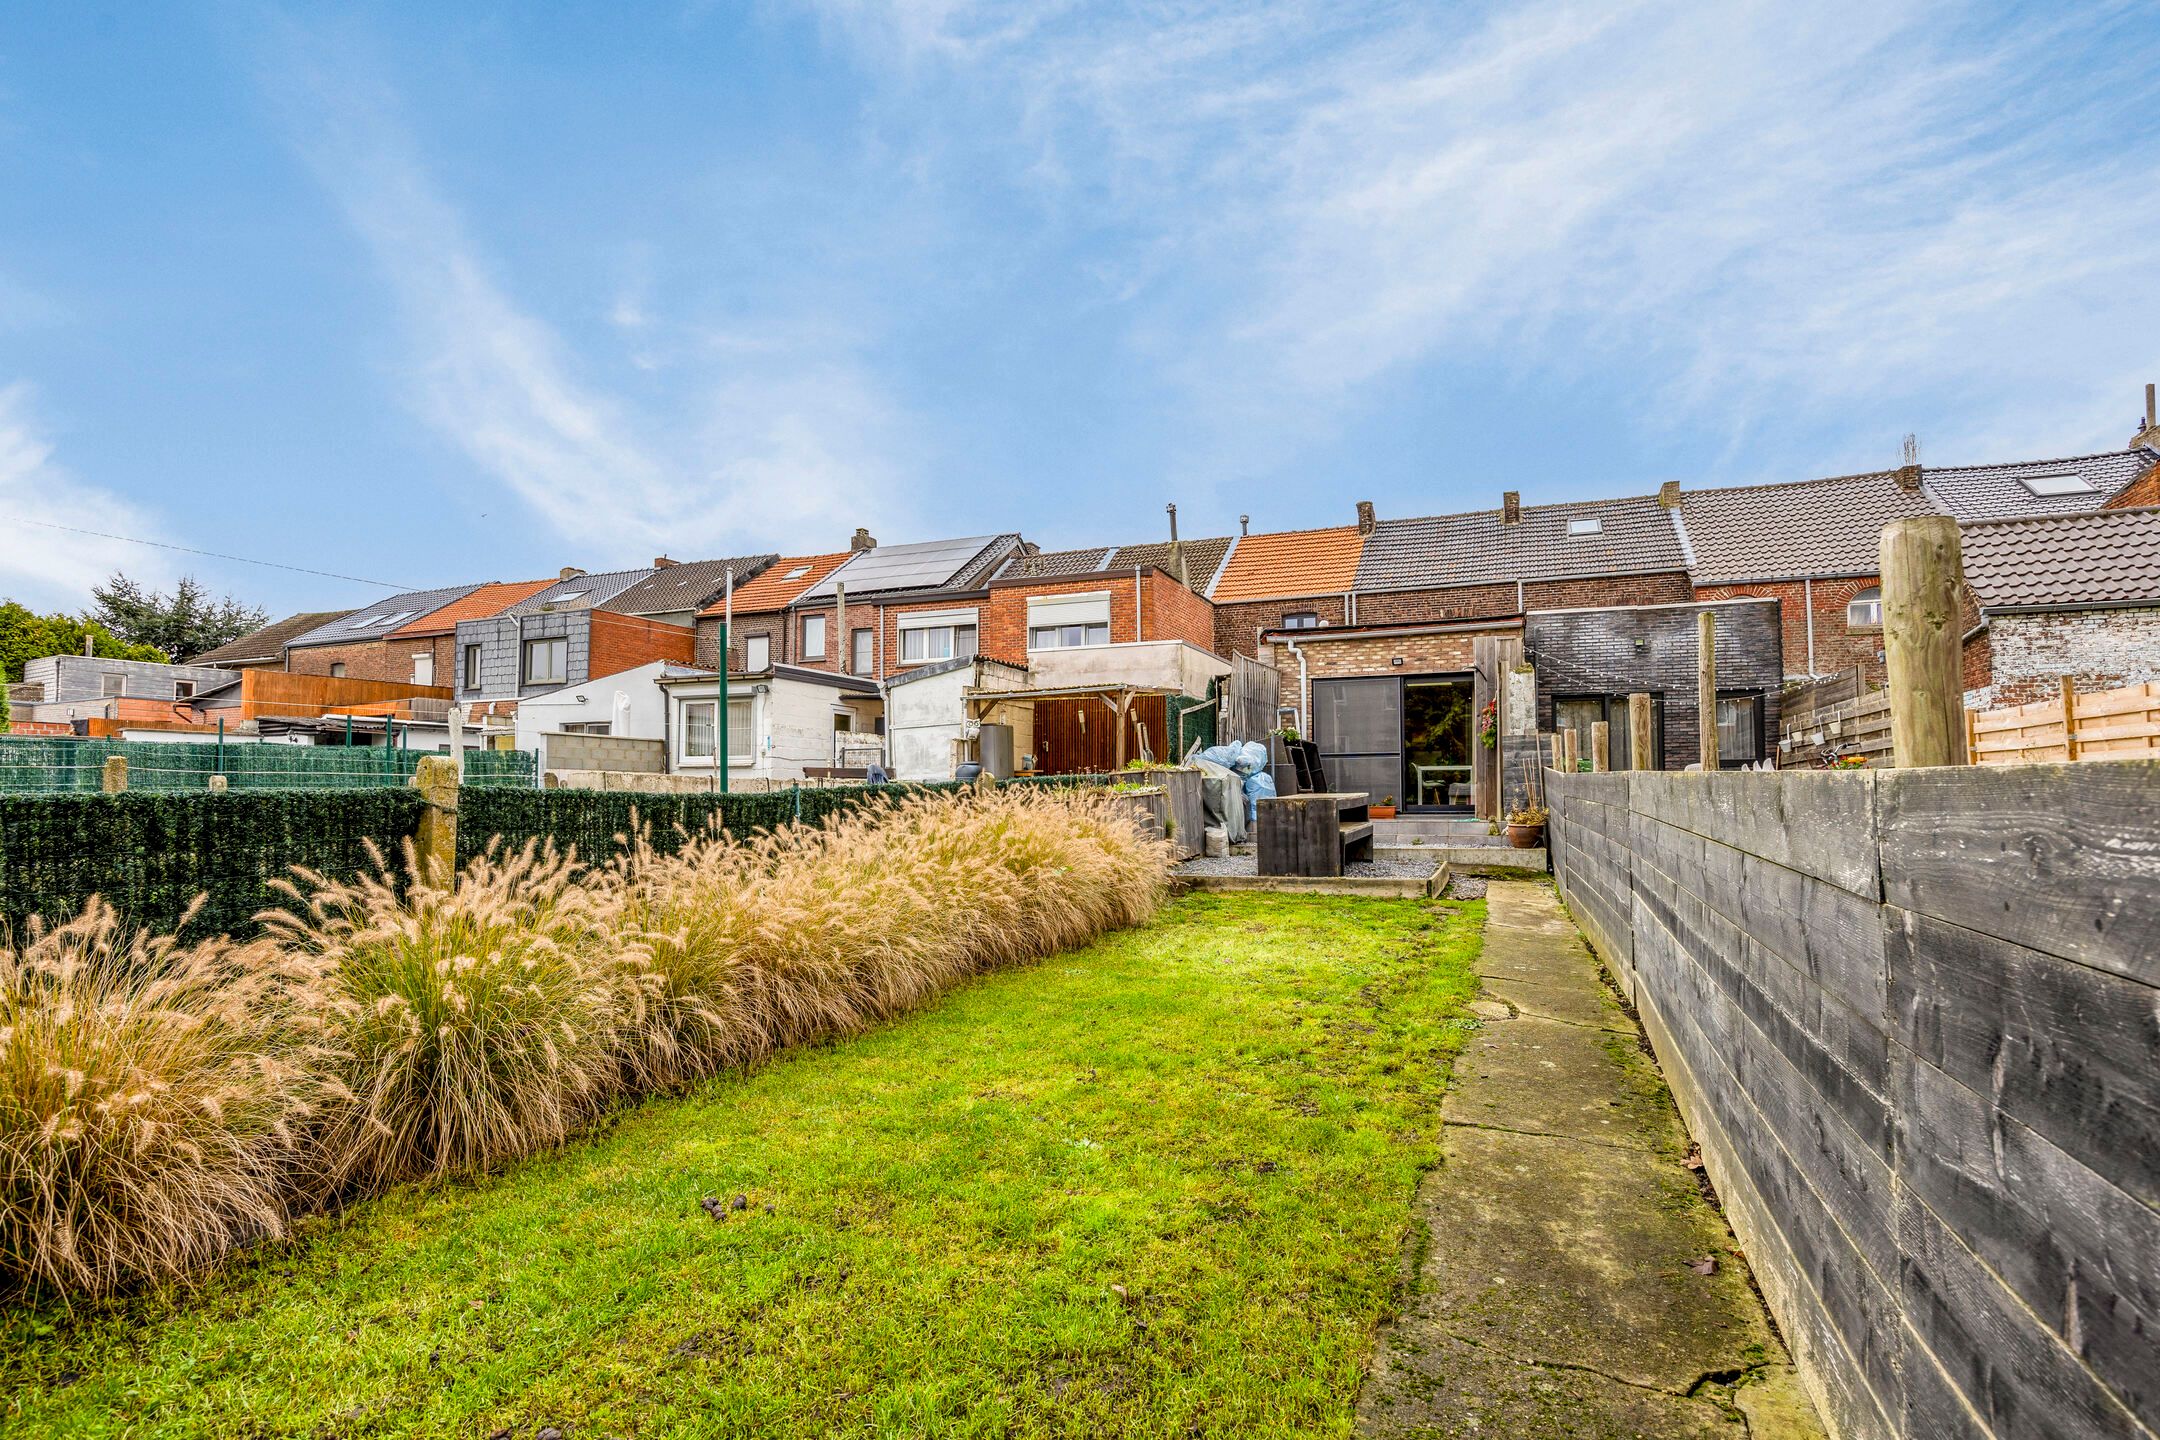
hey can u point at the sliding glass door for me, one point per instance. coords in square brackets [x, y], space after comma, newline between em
[1405, 741]
[1437, 716]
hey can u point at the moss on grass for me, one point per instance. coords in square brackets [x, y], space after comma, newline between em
[1156, 1187]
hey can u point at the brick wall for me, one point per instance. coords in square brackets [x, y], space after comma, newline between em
[1669, 587]
[568, 750]
[1004, 614]
[772, 624]
[1622, 651]
[363, 660]
[1838, 646]
[1329, 658]
[1238, 627]
[1173, 612]
[623, 642]
[2028, 655]
[893, 613]
[1460, 602]
[2145, 490]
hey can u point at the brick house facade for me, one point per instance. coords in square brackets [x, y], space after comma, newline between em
[1239, 626]
[2018, 659]
[359, 659]
[1832, 642]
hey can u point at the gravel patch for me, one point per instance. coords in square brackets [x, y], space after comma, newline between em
[1356, 870]
[1466, 887]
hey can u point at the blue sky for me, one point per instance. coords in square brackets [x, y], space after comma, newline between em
[433, 293]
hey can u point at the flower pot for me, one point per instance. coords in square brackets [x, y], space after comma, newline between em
[1526, 837]
[1380, 812]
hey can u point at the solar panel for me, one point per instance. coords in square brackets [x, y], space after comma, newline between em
[904, 567]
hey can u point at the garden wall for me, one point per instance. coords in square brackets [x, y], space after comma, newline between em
[1913, 1018]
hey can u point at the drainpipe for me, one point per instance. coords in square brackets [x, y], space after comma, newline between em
[1349, 602]
[1807, 603]
[1304, 687]
[1137, 632]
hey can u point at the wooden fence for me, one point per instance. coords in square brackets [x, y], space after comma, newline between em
[1858, 725]
[2105, 725]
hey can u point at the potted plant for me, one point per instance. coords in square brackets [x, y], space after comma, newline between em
[1488, 725]
[1385, 810]
[1526, 826]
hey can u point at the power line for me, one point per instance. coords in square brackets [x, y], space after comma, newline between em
[213, 554]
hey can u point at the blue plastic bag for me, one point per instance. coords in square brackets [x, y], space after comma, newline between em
[1258, 786]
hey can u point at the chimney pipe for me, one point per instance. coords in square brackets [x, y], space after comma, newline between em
[1510, 507]
[2148, 437]
[1365, 521]
[1668, 495]
[89, 642]
[1244, 525]
[1177, 552]
[861, 542]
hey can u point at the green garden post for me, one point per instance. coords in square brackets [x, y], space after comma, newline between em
[221, 745]
[720, 760]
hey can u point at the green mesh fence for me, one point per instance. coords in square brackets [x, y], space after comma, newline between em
[151, 854]
[595, 821]
[40, 765]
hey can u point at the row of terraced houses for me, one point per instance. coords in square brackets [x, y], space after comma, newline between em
[1387, 636]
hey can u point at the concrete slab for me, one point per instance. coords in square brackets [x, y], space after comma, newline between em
[1548, 1077]
[1575, 1282]
[1372, 887]
[1482, 859]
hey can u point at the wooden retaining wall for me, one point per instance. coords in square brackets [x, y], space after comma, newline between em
[1914, 1020]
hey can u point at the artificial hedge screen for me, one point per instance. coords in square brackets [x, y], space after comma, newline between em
[151, 854]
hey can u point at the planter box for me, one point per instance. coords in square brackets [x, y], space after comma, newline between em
[1187, 815]
[1149, 809]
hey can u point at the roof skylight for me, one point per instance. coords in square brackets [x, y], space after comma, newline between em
[797, 573]
[2063, 484]
[1590, 526]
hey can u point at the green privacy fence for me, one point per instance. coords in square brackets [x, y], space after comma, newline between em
[149, 854]
[42, 765]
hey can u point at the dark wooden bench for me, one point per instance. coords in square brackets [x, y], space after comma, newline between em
[1315, 834]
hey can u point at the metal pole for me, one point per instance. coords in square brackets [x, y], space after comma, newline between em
[221, 745]
[720, 759]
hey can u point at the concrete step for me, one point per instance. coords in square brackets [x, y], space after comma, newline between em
[1463, 830]
[1468, 859]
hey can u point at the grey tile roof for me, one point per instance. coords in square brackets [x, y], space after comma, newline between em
[386, 615]
[1804, 528]
[580, 592]
[1202, 559]
[1997, 492]
[269, 642]
[688, 585]
[2102, 557]
[961, 564]
[1636, 536]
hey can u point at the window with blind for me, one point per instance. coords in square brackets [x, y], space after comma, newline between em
[1058, 622]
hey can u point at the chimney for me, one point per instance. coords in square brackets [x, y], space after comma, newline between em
[1511, 507]
[661, 562]
[1908, 471]
[861, 542]
[1244, 525]
[1177, 552]
[1365, 521]
[2150, 435]
[1668, 494]
[89, 642]
[568, 572]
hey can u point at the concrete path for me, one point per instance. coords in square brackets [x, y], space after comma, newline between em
[1560, 1290]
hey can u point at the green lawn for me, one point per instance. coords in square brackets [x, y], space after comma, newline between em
[1156, 1187]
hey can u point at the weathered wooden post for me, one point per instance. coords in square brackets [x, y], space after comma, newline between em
[1564, 752]
[436, 775]
[1922, 572]
[1706, 686]
[1600, 745]
[1642, 735]
[114, 779]
[2069, 709]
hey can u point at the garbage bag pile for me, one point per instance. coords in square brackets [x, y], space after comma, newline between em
[1244, 766]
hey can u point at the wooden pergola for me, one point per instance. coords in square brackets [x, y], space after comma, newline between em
[1117, 696]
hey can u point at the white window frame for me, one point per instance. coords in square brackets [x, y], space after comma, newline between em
[1061, 637]
[822, 629]
[1585, 525]
[423, 668]
[1301, 620]
[112, 687]
[183, 689]
[742, 732]
[1864, 610]
[937, 636]
[473, 661]
[757, 653]
[862, 650]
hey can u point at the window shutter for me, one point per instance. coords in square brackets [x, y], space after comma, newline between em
[1088, 609]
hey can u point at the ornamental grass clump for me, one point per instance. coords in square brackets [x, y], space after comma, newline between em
[162, 1104]
[151, 1100]
[461, 1024]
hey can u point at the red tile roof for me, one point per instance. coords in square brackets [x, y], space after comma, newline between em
[1291, 562]
[780, 582]
[490, 599]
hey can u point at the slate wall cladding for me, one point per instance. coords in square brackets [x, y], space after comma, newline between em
[1910, 1017]
[1653, 649]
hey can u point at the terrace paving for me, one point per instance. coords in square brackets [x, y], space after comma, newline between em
[1562, 1289]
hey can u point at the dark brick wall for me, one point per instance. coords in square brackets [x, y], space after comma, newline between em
[1622, 651]
[1238, 627]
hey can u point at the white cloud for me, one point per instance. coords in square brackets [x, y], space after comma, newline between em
[1740, 210]
[47, 568]
[775, 451]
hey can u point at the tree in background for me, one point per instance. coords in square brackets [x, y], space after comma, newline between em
[3, 708]
[182, 624]
[26, 636]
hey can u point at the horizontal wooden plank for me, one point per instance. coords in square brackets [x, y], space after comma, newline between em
[1818, 823]
[2063, 858]
[2065, 1049]
[2078, 1251]
[2020, 1376]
